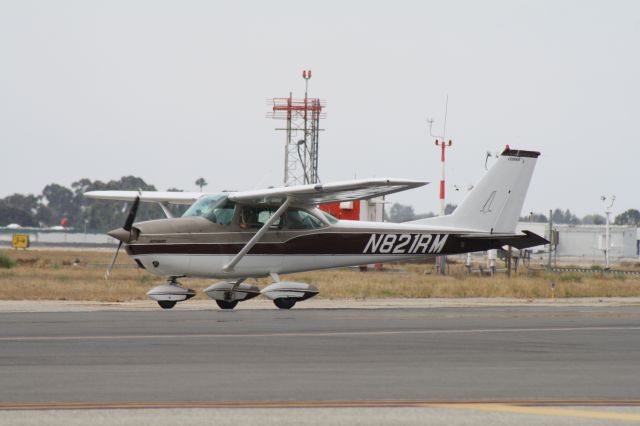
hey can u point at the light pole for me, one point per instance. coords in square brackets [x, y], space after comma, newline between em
[607, 231]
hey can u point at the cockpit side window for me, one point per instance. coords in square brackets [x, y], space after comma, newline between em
[255, 217]
[302, 219]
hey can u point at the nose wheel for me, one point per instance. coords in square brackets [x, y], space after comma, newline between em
[224, 304]
[284, 302]
[167, 304]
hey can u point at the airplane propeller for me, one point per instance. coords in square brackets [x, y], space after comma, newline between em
[128, 227]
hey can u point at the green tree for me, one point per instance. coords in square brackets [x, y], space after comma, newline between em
[593, 219]
[400, 213]
[630, 217]
[61, 202]
[534, 217]
[102, 215]
[20, 209]
[201, 183]
[57, 201]
[566, 216]
[10, 214]
[28, 203]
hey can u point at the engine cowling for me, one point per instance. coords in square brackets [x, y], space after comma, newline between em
[224, 291]
[290, 290]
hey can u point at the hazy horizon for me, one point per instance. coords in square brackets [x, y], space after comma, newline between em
[173, 91]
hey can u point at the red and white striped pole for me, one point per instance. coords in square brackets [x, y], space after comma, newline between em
[443, 146]
[441, 261]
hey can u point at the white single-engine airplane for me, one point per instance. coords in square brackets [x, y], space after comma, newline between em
[237, 235]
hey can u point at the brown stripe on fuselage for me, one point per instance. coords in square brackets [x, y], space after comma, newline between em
[348, 243]
[324, 243]
[334, 244]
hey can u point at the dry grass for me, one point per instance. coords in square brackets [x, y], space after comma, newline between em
[51, 275]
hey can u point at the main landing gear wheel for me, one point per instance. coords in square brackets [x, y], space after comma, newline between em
[167, 304]
[227, 305]
[284, 302]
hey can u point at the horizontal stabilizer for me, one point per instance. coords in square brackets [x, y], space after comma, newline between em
[481, 242]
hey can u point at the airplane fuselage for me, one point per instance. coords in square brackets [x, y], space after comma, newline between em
[237, 235]
[346, 243]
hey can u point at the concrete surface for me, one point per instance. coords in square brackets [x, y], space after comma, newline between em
[315, 303]
[568, 354]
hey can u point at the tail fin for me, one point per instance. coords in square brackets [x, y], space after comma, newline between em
[495, 203]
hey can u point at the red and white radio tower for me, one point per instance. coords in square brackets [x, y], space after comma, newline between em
[302, 117]
[443, 144]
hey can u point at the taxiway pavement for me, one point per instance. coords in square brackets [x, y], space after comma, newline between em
[221, 359]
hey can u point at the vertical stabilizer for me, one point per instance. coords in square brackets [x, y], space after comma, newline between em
[495, 203]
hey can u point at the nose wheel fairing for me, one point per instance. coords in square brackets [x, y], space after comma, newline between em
[289, 290]
[167, 295]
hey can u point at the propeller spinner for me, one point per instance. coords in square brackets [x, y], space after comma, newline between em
[124, 234]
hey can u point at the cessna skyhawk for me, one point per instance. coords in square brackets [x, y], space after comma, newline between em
[238, 235]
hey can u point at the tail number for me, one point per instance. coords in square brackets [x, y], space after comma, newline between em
[405, 243]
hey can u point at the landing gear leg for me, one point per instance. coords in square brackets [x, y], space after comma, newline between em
[229, 302]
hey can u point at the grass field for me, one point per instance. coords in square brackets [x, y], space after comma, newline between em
[52, 275]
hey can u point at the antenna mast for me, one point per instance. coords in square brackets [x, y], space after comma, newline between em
[303, 133]
[607, 232]
[441, 142]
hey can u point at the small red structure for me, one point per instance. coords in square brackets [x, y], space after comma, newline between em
[347, 210]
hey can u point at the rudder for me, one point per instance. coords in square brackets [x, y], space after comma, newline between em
[494, 205]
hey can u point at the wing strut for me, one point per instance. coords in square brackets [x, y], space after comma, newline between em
[252, 242]
[165, 208]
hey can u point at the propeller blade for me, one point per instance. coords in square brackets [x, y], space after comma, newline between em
[132, 215]
[128, 225]
[113, 262]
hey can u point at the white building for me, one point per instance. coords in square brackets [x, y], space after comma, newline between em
[588, 241]
[53, 237]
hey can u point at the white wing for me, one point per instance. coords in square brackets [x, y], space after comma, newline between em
[147, 196]
[328, 193]
[299, 195]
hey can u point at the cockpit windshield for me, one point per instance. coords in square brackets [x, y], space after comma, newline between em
[216, 208]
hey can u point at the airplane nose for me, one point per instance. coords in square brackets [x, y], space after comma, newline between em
[123, 235]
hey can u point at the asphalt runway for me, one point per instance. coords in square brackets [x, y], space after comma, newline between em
[321, 358]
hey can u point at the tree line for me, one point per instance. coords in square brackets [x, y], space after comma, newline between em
[403, 213]
[60, 205]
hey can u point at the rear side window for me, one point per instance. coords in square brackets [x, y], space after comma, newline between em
[256, 217]
[302, 219]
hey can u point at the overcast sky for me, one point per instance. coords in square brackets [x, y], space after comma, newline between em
[171, 91]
